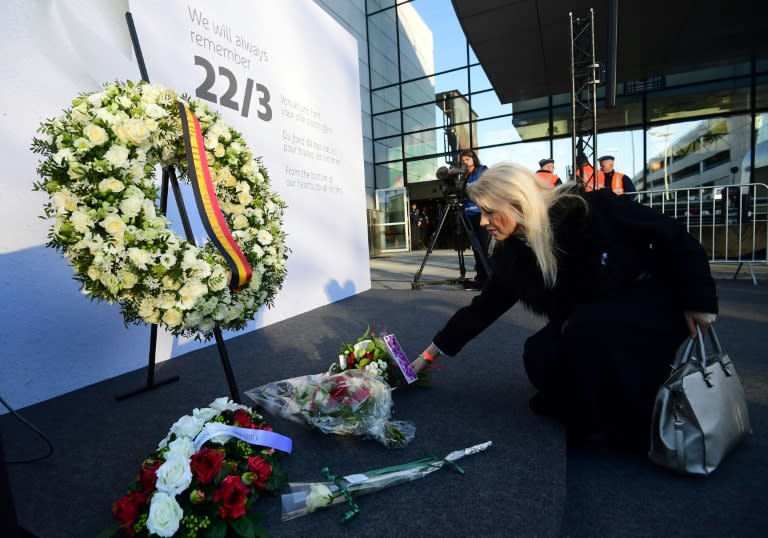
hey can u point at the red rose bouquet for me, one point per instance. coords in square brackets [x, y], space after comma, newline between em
[352, 402]
[205, 476]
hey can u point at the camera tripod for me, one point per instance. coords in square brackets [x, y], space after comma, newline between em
[456, 208]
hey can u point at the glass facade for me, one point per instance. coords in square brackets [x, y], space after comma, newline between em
[425, 97]
[431, 98]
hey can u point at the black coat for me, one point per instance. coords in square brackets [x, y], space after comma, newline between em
[626, 273]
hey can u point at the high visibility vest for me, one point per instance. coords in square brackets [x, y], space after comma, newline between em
[617, 182]
[548, 177]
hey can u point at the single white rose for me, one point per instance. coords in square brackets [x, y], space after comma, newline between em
[63, 201]
[117, 156]
[131, 207]
[170, 283]
[164, 515]
[245, 198]
[127, 279]
[94, 272]
[110, 282]
[135, 131]
[155, 111]
[240, 222]
[172, 317]
[219, 151]
[187, 426]
[181, 447]
[113, 224]
[190, 292]
[81, 221]
[111, 184]
[95, 134]
[223, 404]
[319, 496]
[166, 300]
[204, 414]
[264, 237]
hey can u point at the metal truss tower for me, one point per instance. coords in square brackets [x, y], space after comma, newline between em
[585, 76]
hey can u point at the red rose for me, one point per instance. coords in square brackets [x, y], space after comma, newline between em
[234, 495]
[126, 508]
[243, 419]
[261, 468]
[206, 464]
[148, 477]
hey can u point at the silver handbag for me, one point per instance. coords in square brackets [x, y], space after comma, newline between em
[700, 413]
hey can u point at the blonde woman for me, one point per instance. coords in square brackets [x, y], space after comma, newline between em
[620, 284]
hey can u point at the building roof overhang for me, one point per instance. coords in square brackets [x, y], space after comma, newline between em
[524, 46]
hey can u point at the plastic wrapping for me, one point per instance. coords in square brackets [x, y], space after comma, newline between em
[352, 402]
[306, 497]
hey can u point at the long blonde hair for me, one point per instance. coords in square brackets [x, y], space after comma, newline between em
[511, 185]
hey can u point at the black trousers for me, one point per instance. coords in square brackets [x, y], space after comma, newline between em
[600, 370]
[484, 238]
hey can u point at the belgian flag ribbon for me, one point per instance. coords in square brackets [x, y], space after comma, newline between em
[208, 204]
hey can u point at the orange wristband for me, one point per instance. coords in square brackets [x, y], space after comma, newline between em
[428, 356]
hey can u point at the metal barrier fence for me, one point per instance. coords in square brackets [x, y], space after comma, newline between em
[729, 221]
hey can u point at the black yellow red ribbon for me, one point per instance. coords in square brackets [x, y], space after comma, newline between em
[208, 204]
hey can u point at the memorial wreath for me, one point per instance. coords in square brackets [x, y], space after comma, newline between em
[98, 168]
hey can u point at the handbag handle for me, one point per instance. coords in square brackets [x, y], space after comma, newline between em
[698, 342]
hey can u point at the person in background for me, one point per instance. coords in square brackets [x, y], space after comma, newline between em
[612, 179]
[417, 226]
[475, 169]
[546, 172]
[620, 284]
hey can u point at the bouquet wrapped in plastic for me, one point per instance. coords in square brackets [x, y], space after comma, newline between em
[352, 402]
[306, 497]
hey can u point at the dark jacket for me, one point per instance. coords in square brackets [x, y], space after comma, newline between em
[615, 245]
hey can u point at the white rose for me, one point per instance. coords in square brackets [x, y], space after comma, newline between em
[219, 151]
[240, 222]
[245, 198]
[127, 279]
[113, 224]
[205, 414]
[172, 317]
[155, 111]
[264, 237]
[135, 131]
[94, 272]
[81, 221]
[131, 207]
[117, 156]
[95, 134]
[319, 495]
[110, 282]
[111, 184]
[81, 145]
[164, 515]
[170, 283]
[166, 301]
[187, 426]
[181, 447]
[63, 201]
[190, 292]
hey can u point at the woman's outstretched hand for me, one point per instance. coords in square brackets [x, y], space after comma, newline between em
[702, 319]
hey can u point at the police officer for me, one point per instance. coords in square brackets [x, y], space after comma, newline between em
[546, 172]
[613, 179]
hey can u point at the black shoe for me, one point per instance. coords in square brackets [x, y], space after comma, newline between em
[472, 285]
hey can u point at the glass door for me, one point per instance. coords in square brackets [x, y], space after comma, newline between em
[392, 229]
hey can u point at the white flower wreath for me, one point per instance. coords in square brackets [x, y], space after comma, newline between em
[99, 171]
